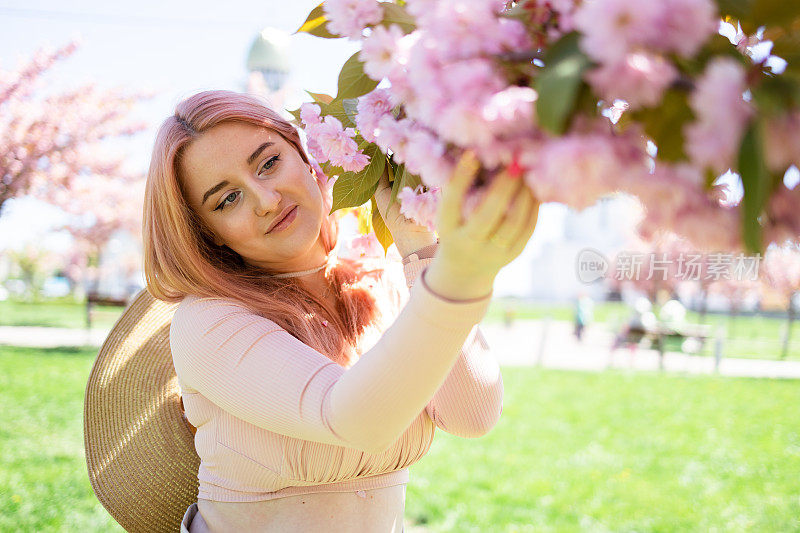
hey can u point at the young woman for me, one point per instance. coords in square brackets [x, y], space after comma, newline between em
[303, 421]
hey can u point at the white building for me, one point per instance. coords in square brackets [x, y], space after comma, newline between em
[547, 269]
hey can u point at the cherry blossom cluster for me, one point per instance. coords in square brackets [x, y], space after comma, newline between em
[464, 75]
[328, 140]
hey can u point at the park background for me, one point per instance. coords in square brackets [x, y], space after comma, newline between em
[592, 438]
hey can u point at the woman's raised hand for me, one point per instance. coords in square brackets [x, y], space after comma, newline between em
[471, 252]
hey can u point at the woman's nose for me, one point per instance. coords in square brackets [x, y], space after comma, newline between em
[267, 200]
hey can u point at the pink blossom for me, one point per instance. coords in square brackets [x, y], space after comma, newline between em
[314, 149]
[640, 79]
[783, 215]
[684, 25]
[420, 206]
[309, 113]
[460, 30]
[578, 169]
[511, 110]
[464, 125]
[336, 144]
[351, 162]
[781, 269]
[371, 108]
[319, 173]
[348, 18]
[379, 51]
[566, 16]
[710, 227]
[471, 80]
[612, 28]
[366, 245]
[436, 172]
[782, 141]
[713, 139]
[674, 200]
[668, 187]
[392, 135]
[425, 155]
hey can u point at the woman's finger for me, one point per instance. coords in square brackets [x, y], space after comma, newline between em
[528, 228]
[449, 213]
[487, 216]
[519, 210]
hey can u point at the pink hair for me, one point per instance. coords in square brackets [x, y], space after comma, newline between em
[180, 257]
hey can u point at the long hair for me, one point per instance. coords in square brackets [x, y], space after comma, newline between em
[180, 257]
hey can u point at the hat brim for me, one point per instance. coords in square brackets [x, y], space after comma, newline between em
[140, 450]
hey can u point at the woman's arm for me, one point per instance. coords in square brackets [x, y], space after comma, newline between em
[257, 371]
[469, 402]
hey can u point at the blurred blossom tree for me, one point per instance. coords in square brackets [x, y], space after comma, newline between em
[54, 147]
[47, 141]
[33, 264]
[99, 207]
[781, 272]
[650, 266]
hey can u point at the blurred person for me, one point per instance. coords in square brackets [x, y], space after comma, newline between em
[641, 320]
[583, 313]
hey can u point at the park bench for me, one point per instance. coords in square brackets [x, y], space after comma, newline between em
[94, 299]
[659, 335]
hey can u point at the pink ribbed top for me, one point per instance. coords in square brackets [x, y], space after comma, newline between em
[276, 418]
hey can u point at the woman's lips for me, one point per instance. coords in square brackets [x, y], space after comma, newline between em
[285, 222]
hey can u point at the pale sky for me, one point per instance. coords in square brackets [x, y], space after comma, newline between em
[175, 48]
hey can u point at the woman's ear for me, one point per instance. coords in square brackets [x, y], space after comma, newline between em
[218, 241]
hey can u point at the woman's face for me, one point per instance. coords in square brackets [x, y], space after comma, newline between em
[239, 178]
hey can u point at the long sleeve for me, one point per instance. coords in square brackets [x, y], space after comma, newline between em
[253, 369]
[470, 401]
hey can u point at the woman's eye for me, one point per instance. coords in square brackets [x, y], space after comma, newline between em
[270, 163]
[229, 198]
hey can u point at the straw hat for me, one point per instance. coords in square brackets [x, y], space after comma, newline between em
[139, 446]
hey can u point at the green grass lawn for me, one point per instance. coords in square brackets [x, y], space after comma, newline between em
[753, 337]
[573, 451]
[749, 337]
[58, 314]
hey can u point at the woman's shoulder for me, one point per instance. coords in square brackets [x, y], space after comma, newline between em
[201, 310]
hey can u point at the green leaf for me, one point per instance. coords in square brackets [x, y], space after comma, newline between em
[321, 98]
[397, 184]
[411, 180]
[352, 80]
[382, 233]
[738, 9]
[404, 179]
[716, 46]
[336, 109]
[395, 14]
[787, 46]
[296, 115]
[520, 11]
[775, 12]
[317, 24]
[755, 182]
[331, 170]
[664, 124]
[350, 106]
[776, 94]
[353, 189]
[558, 83]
